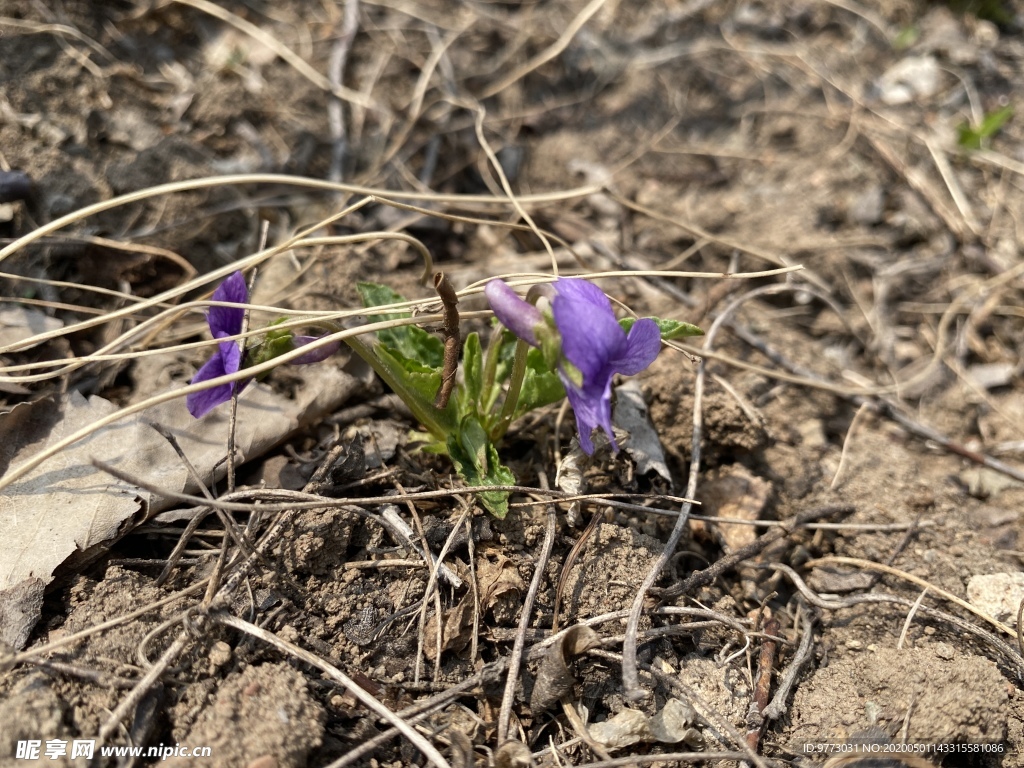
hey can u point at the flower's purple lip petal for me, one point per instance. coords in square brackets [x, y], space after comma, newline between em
[314, 355]
[227, 321]
[642, 347]
[226, 360]
[514, 313]
[592, 407]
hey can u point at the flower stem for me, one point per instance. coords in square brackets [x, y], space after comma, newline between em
[515, 386]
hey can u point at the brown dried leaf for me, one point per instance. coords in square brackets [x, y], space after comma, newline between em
[458, 628]
[495, 579]
[555, 679]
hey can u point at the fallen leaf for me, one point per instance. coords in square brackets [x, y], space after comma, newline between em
[670, 725]
[555, 679]
[20, 323]
[644, 445]
[457, 633]
[497, 579]
[66, 511]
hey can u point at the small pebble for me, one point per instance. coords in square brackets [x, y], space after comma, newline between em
[220, 654]
[944, 651]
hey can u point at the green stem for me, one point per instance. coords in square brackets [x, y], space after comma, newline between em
[437, 422]
[515, 386]
[488, 391]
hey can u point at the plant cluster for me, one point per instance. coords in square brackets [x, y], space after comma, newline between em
[562, 340]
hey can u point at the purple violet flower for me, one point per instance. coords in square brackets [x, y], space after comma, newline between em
[223, 321]
[593, 345]
[227, 321]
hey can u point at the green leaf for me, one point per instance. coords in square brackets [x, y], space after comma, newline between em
[276, 342]
[476, 460]
[670, 329]
[423, 380]
[377, 295]
[409, 341]
[469, 394]
[541, 385]
[972, 137]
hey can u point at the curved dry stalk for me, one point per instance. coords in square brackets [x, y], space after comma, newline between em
[516, 657]
[1010, 654]
[368, 701]
[888, 569]
[298, 63]
[22, 469]
[478, 124]
[548, 53]
[279, 179]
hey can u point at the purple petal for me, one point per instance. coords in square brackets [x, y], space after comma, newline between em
[227, 359]
[227, 321]
[314, 355]
[591, 336]
[516, 314]
[592, 405]
[642, 347]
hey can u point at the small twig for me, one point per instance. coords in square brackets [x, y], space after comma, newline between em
[548, 53]
[335, 76]
[474, 647]
[286, 53]
[910, 618]
[762, 685]
[570, 559]
[704, 577]
[516, 658]
[195, 522]
[846, 444]
[95, 676]
[452, 338]
[788, 678]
